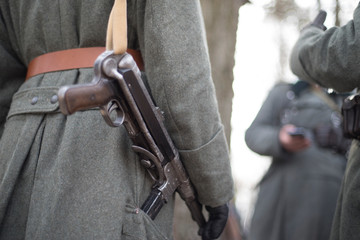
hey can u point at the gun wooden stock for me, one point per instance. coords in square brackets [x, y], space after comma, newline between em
[80, 97]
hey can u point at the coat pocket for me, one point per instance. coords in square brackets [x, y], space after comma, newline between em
[35, 100]
[139, 226]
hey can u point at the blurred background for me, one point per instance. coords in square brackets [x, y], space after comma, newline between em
[266, 32]
[249, 46]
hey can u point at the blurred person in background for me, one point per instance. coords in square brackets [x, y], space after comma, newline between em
[299, 126]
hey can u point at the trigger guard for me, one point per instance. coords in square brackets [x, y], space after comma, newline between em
[155, 161]
[108, 109]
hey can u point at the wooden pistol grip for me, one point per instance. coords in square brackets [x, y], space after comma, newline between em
[84, 96]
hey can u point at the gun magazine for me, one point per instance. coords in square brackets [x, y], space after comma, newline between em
[153, 203]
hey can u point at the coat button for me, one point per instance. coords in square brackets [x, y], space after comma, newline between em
[54, 99]
[34, 100]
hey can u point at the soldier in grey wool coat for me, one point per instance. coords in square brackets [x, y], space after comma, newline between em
[297, 195]
[331, 59]
[74, 177]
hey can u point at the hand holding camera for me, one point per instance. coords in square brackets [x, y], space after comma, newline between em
[293, 139]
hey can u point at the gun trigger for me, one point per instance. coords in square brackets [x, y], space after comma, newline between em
[154, 160]
[146, 163]
[112, 106]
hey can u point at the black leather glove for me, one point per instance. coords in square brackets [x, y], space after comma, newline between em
[217, 220]
[319, 21]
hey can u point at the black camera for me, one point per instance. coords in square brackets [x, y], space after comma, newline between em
[351, 116]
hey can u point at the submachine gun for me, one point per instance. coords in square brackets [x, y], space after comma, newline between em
[117, 88]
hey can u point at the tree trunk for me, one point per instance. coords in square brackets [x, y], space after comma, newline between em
[221, 20]
[337, 13]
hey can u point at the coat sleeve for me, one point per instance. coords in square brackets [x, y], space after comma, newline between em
[177, 66]
[262, 135]
[12, 72]
[329, 58]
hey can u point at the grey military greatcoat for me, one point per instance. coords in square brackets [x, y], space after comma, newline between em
[74, 177]
[297, 196]
[331, 58]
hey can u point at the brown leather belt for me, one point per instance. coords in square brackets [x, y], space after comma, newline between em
[72, 59]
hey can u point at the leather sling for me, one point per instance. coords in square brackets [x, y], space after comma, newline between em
[116, 40]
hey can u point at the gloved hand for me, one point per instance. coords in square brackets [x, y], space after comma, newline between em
[217, 220]
[319, 21]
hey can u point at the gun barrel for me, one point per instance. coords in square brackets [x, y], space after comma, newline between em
[196, 213]
[81, 97]
[187, 193]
